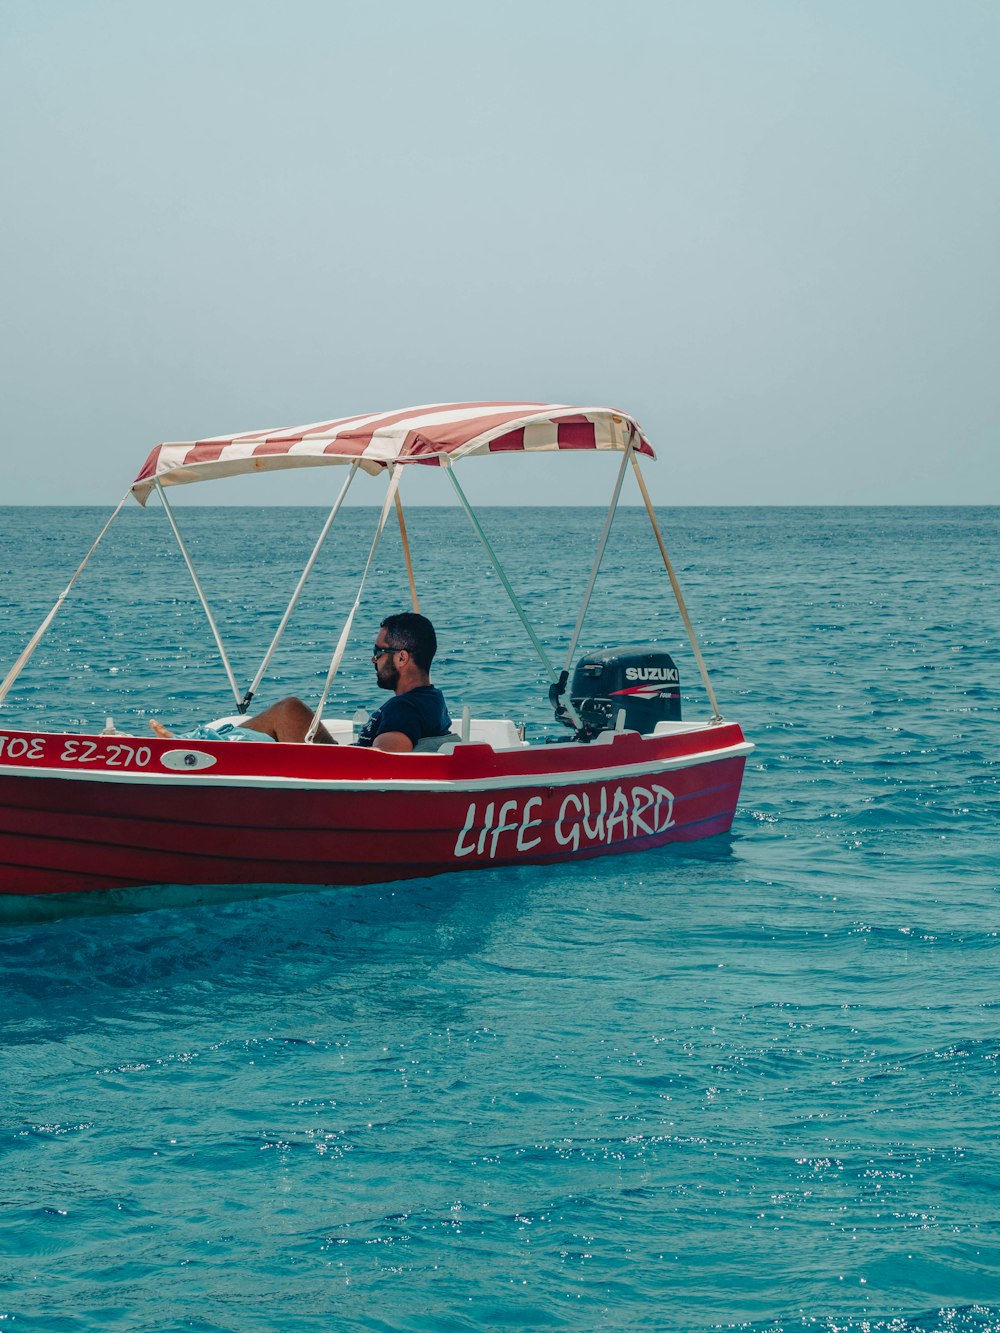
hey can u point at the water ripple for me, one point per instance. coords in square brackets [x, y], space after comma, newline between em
[749, 1084]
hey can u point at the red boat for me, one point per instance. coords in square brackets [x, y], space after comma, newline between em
[81, 812]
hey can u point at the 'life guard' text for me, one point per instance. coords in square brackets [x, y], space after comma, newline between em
[583, 819]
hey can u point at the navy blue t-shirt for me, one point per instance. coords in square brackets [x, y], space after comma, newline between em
[417, 713]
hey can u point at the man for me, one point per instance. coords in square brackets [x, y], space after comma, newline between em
[404, 649]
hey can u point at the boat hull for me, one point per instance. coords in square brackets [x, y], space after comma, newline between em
[92, 813]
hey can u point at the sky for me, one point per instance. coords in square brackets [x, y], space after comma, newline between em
[769, 230]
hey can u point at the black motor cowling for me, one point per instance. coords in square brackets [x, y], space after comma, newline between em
[642, 680]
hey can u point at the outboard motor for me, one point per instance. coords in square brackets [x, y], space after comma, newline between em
[642, 680]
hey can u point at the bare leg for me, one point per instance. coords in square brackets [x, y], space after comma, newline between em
[288, 720]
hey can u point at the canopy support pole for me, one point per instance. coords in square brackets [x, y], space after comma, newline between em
[716, 715]
[255, 683]
[200, 591]
[36, 638]
[557, 681]
[612, 510]
[338, 653]
[406, 554]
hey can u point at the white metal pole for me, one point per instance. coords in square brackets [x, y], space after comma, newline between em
[554, 676]
[200, 591]
[338, 653]
[36, 638]
[255, 683]
[571, 650]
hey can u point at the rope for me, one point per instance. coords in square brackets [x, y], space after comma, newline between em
[716, 715]
[406, 554]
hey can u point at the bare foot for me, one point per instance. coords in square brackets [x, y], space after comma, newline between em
[158, 729]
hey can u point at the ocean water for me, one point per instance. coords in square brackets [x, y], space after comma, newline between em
[746, 1084]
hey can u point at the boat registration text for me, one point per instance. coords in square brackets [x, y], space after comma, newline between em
[74, 750]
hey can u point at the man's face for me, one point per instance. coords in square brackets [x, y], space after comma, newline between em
[386, 671]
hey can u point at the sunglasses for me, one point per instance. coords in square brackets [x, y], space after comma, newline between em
[379, 650]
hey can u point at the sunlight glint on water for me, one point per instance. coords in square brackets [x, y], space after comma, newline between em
[751, 1082]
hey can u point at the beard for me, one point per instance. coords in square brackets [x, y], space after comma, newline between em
[387, 679]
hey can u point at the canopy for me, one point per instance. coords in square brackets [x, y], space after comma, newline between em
[413, 435]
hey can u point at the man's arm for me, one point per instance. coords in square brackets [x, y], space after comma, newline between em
[394, 742]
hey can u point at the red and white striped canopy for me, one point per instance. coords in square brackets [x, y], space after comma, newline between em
[413, 435]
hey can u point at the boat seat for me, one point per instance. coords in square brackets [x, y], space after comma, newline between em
[499, 732]
[429, 744]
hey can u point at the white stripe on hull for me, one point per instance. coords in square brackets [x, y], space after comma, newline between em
[576, 777]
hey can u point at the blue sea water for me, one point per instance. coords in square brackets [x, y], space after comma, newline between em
[747, 1084]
